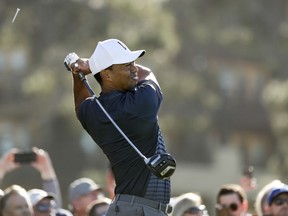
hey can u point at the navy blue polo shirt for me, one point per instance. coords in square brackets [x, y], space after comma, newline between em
[135, 112]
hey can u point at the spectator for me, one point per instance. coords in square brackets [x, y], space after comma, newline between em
[278, 200]
[7, 163]
[189, 204]
[44, 204]
[15, 202]
[81, 193]
[1, 193]
[42, 164]
[49, 178]
[261, 205]
[110, 182]
[232, 200]
[247, 181]
[98, 207]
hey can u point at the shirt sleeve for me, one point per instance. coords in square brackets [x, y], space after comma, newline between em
[52, 186]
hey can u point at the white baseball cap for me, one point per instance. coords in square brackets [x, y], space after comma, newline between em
[82, 186]
[109, 52]
[36, 195]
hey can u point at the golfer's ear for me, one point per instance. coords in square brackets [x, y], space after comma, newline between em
[105, 75]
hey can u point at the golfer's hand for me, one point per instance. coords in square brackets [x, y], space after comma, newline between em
[70, 59]
[75, 64]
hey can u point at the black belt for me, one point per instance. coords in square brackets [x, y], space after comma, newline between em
[166, 208]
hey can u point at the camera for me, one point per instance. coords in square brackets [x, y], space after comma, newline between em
[25, 157]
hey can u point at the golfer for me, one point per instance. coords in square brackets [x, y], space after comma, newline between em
[132, 96]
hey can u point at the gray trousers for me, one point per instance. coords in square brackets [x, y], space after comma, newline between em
[123, 208]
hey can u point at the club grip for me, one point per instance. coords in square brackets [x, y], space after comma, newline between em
[82, 76]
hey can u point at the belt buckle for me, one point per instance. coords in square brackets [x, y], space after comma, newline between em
[168, 209]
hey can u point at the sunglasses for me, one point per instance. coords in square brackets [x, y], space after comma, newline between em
[232, 206]
[280, 201]
[45, 207]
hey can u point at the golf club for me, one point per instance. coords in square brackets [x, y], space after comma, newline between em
[162, 165]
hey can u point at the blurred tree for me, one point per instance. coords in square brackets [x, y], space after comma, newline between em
[275, 96]
[213, 36]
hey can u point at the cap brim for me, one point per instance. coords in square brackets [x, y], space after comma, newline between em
[129, 58]
[34, 202]
[49, 197]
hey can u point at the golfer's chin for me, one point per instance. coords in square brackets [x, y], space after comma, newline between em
[133, 86]
[134, 81]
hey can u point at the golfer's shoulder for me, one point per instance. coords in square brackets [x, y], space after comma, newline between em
[88, 101]
[85, 105]
[149, 85]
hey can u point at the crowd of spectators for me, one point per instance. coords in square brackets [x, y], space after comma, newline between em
[87, 198]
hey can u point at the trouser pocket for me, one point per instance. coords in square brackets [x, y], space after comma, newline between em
[124, 209]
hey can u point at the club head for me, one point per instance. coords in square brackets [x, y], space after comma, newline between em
[162, 165]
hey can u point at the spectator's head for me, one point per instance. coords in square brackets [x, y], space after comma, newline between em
[15, 202]
[81, 193]
[98, 207]
[261, 203]
[63, 212]
[233, 198]
[43, 203]
[278, 200]
[188, 204]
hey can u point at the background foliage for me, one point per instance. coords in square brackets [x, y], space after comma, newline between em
[221, 64]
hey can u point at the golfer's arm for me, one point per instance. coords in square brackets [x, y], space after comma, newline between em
[80, 92]
[145, 73]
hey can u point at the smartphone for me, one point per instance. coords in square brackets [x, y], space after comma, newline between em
[25, 157]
